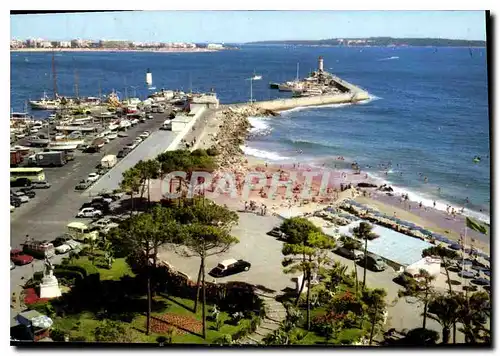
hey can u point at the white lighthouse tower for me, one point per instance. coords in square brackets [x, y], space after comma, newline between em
[149, 78]
[320, 63]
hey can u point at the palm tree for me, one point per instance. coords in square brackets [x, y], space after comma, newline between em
[364, 232]
[445, 310]
[131, 184]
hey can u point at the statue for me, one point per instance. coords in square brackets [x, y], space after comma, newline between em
[49, 267]
[49, 287]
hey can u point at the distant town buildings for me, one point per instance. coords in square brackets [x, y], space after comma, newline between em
[103, 43]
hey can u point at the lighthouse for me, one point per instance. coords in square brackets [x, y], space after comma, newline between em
[320, 63]
[149, 78]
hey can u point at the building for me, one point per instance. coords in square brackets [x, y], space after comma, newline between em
[45, 44]
[17, 44]
[215, 46]
[61, 44]
[78, 43]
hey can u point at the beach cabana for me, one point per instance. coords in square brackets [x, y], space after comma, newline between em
[481, 281]
[466, 274]
[455, 247]
[429, 264]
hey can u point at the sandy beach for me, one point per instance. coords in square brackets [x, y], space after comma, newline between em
[227, 131]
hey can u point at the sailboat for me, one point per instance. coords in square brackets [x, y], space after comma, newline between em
[295, 86]
[45, 103]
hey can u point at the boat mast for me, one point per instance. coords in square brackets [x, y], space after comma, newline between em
[54, 77]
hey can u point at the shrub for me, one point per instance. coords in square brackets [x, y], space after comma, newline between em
[57, 335]
[76, 268]
[225, 339]
[212, 151]
[67, 274]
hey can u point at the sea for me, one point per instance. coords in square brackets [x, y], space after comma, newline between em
[427, 116]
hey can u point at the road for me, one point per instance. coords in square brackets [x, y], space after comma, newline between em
[45, 216]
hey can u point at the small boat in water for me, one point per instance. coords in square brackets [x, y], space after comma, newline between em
[273, 85]
[45, 103]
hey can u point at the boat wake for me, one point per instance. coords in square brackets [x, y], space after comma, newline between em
[388, 58]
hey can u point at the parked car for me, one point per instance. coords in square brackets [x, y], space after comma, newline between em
[276, 232]
[112, 196]
[122, 134]
[39, 249]
[12, 208]
[138, 140]
[83, 147]
[23, 197]
[92, 177]
[12, 265]
[89, 213]
[122, 153]
[149, 117]
[20, 258]
[28, 191]
[131, 145]
[40, 185]
[15, 201]
[230, 266]
[62, 249]
[144, 135]
[21, 182]
[112, 136]
[105, 224]
[83, 185]
[101, 199]
[374, 263]
[351, 254]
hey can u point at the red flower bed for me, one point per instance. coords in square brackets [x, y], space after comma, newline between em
[182, 324]
[30, 297]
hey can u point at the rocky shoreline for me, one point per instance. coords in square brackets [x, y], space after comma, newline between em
[232, 133]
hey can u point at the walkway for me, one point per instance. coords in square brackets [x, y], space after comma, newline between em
[275, 315]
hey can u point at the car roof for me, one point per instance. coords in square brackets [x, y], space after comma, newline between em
[77, 225]
[228, 262]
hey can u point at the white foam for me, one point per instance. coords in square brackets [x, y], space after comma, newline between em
[427, 200]
[259, 125]
[389, 58]
[300, 108]
[273, 156]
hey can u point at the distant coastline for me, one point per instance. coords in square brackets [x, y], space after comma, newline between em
[378, 42]
[160, 50]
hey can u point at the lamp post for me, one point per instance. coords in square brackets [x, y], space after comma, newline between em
[251, 79]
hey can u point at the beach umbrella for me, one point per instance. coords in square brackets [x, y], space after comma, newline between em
[466, 274]
[488, 273]
[481, 281]
[479, 268]
[455, 247]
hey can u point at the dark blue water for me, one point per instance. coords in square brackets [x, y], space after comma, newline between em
[429, 116]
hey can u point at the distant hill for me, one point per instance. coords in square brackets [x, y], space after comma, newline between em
[380, 41]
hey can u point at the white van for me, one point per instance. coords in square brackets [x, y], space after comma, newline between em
[167, 125]
[81, 232]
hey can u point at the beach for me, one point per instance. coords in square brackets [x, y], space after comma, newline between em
[227, 131]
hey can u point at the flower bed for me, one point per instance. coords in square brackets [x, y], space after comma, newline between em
[182, 323]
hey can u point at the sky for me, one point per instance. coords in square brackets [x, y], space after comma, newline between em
[247, 26]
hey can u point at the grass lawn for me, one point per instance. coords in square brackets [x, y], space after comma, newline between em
[84, 324]
[119, 268]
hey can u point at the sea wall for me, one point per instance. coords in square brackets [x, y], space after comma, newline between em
[290, 103]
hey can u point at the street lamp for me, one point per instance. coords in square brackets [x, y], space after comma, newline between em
[251, 79]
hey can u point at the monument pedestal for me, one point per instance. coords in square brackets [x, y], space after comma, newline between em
[49, 288]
